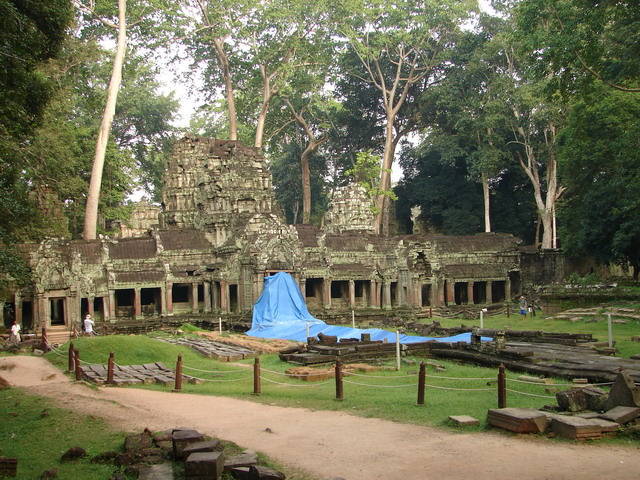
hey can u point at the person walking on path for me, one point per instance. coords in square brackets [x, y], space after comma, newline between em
[15, 333]
[88, 325]
[523, 307]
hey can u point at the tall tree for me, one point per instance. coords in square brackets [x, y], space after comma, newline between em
[400, 46]
[145, 16]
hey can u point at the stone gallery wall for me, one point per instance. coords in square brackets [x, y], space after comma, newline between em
[219, 232]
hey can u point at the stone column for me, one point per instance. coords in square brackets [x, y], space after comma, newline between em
[215, 296]
[352, 294]
[417, 294]
[194, 298]
[451, 292]
[163, 300]
[90, 308]
[207, 296]
[137, 303]
[470, 299]
[224, 296]
[17, 302]
[112, 305]
[386, 294]
[169, 298]
[326, 292]
[303, 288]
[105, 309]
[507, 289]
[489, 291]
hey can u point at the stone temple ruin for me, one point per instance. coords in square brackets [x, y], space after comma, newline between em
[203, 254]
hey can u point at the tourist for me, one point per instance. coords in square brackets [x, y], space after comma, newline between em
[523, 307]
[88, 325]
[15, 333]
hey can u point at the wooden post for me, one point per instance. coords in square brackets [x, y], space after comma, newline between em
[72, 363]
[502, 388]
[430, 312]
[178, 385]
[339, 389]
[508, 310]
[256, 376]
[421, 384]
[76, 357]
[110, 369]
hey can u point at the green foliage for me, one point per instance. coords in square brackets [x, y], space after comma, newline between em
[588, 279]
[601, 164]
[366, 172]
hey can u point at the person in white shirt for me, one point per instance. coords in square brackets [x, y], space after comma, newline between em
[15, 333]
[88, 325]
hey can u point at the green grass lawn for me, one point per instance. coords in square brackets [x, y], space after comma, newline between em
[457, 389]
[390, 394]
[37, 434]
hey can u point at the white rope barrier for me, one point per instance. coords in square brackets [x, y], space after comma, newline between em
[220, 372]
[488, 379]
[294, 375]
[224, 380]
[413, 385]
[378, 376]
[461, 389]
[530, 394]
[293, 385]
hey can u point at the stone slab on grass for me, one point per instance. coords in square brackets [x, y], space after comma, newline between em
[518, 420]
[464, 420]
[621, 414]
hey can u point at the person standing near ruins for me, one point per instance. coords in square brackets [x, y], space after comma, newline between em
[88, 325]
[15, 333]
[523, 307]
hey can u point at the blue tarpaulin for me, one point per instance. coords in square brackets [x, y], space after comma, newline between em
[281, 312]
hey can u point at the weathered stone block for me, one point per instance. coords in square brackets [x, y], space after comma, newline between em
[624, 392]
[205, 446]
[258, 472]
[622, 415]
[519, 420]
[204, 465]
[245, 459]
[182, 439]
[464, 420]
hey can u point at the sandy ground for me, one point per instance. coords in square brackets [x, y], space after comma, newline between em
[329, 444]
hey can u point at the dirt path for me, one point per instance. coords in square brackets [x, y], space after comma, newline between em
[330, 444]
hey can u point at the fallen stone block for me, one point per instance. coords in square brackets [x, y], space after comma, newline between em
[577, 428]
[182, 439]
[464, 420]
[518, 420]
[624, 392]
[204, 465]
[258, 472]
[204, 446]
[621, 414]
[245, 459]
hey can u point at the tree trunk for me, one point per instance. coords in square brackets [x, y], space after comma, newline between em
[228, 85]
[487, 206]
[385, 174]
[93, 196]
[306, 186]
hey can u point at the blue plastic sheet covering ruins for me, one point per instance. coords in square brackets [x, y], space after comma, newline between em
[281, 313]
